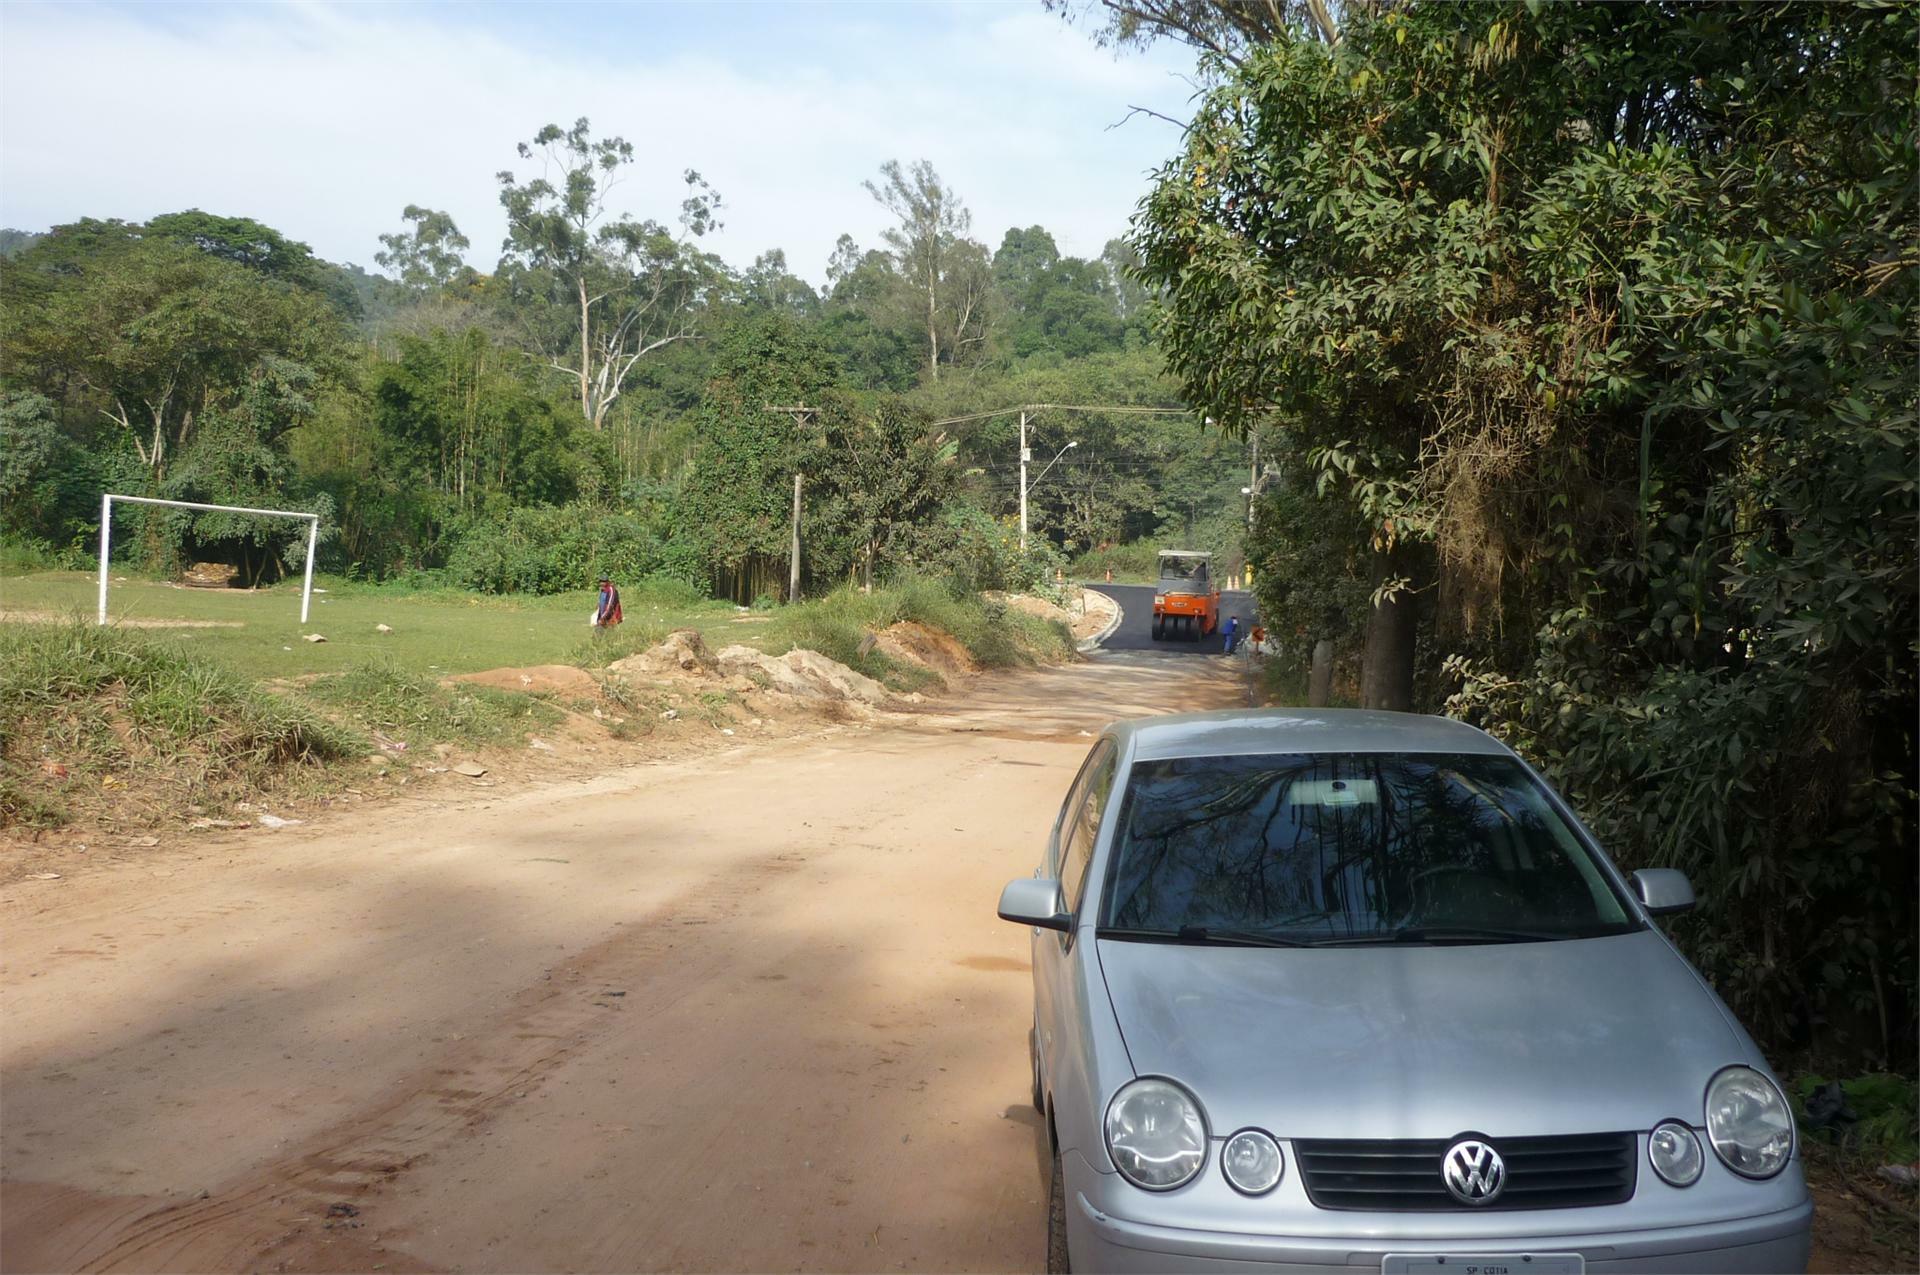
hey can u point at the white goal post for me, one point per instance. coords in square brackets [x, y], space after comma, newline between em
[106, 536]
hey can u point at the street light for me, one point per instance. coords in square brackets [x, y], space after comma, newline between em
[1056, 459]
[1026, 486]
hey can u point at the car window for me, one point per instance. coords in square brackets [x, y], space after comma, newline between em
[1346, 846]
[1077, 847]
[1076, 795]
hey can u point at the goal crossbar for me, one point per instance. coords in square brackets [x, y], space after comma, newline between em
[106, 534]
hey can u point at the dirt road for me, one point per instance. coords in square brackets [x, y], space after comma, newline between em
[752, 1012]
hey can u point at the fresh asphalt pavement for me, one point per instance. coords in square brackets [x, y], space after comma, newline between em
[1136, 620]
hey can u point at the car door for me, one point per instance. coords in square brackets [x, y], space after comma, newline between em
[1069, 859]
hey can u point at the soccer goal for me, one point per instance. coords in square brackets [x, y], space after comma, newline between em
[106, 536]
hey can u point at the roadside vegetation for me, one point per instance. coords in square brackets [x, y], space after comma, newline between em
[86, 710]
[1590, 364]
[114, 724]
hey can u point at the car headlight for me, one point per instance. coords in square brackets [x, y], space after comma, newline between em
[1156, 1134]
[1675, 1153]
[1748, 1123]
[1252, 1162]
[1159, 599]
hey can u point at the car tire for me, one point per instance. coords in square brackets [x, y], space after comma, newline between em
[1057, 1259]
[1033, 1056]
[1159, 628]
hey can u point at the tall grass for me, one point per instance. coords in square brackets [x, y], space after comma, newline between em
[417, 708]
[106, 705]
[837, 625]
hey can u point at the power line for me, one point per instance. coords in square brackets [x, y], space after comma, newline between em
[1068, 407]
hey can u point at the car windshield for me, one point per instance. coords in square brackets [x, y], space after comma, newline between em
[1343, 848]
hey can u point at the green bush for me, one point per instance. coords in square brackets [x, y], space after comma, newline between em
[979, 553]
[551, 549]
[1138, 561]
[1885, 1128]
[23, 554]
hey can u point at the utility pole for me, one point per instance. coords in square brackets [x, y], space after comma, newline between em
[802, 417]
[793, 554]
[1025, 456]
[1253, 472]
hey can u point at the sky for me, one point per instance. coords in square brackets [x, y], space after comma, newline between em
[324, 120]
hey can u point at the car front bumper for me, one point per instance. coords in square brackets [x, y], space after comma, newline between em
[1102, 1238]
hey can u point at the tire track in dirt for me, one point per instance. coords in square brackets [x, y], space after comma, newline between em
[280, 1211]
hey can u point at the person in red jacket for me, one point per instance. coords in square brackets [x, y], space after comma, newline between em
[607, 613]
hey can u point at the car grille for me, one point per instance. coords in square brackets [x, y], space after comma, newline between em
[1404, 1177]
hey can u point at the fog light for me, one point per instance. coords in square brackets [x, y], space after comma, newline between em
[1675, 1152]
[1252, 1162]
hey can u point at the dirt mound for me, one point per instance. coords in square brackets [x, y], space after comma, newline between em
[912, 642]
[802, 674]
[1031, 605]
[683, 651]
[541, 679]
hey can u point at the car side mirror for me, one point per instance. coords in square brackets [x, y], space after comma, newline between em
[1663, 891]
[1035, 901]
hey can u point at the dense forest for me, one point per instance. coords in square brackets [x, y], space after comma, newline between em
[610, 397]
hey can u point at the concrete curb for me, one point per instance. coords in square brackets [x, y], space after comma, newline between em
[1087, 646]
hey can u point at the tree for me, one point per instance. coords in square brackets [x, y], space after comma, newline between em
[153, 334]
[243, 241]
[427, 256]
[947, 274]
[632, 287]
[769, 285]
[889, 470]
[1228, 29]
[738, 499]
[1600, 320]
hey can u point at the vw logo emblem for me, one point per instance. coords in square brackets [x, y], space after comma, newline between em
[1473, 1172]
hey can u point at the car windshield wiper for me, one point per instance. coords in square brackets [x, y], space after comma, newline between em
[1445, 934]
[1205, 935]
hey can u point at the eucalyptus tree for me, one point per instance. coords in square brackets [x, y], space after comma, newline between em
[947, 275]
[427, 255]
[630, 287]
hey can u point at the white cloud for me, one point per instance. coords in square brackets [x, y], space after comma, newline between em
[324, 121]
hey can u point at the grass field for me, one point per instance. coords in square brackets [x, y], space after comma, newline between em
[259, 634]
[194, 699]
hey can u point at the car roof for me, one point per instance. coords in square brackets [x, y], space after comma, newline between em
[1237, 732]
[1186, 553]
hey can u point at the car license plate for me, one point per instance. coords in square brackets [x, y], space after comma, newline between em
[1483, 1264]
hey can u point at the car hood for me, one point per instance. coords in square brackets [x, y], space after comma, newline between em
[1508, 1040]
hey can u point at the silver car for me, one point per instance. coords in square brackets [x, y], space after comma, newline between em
[1339, 991]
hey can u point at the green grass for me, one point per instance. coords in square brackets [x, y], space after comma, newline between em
[442, 631]
[415, 707]
[996, 636]
[84, 710]
[243, 705]
[1885, 1128]
[437, 631]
